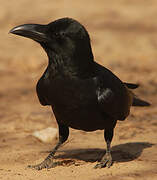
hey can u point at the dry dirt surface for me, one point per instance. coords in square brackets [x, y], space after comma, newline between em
[124, 39]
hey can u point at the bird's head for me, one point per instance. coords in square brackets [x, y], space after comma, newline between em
[65, 37]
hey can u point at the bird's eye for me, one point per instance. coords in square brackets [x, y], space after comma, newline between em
[56, 34]
[62, 34]
[59, 35]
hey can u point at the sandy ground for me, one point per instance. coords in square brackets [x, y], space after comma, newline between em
[124, 39]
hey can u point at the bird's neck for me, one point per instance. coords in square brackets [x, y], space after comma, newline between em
[70, 66]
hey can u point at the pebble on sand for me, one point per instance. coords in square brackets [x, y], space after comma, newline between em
[46, 135]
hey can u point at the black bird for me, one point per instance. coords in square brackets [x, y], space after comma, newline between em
[83, 94]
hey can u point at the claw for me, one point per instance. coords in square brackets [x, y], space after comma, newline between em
[105, 162]
[36, 167]
[45, 164]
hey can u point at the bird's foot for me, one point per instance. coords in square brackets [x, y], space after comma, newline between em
[105, 162]
[47, 163]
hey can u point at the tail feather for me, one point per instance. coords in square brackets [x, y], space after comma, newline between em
[139, 102]
[136, 100]
[131, 85]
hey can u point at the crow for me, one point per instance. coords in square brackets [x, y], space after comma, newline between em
[83, 94]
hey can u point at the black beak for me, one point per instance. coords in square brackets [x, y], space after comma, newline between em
[36, 32]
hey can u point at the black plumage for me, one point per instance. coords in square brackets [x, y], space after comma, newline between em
[83, 94]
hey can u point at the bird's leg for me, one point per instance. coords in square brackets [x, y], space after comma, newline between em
[106, 160]
[48, 162]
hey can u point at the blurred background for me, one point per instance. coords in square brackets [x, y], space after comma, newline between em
[124, 39]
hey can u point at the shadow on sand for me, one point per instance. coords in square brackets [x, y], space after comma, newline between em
[120, 153]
